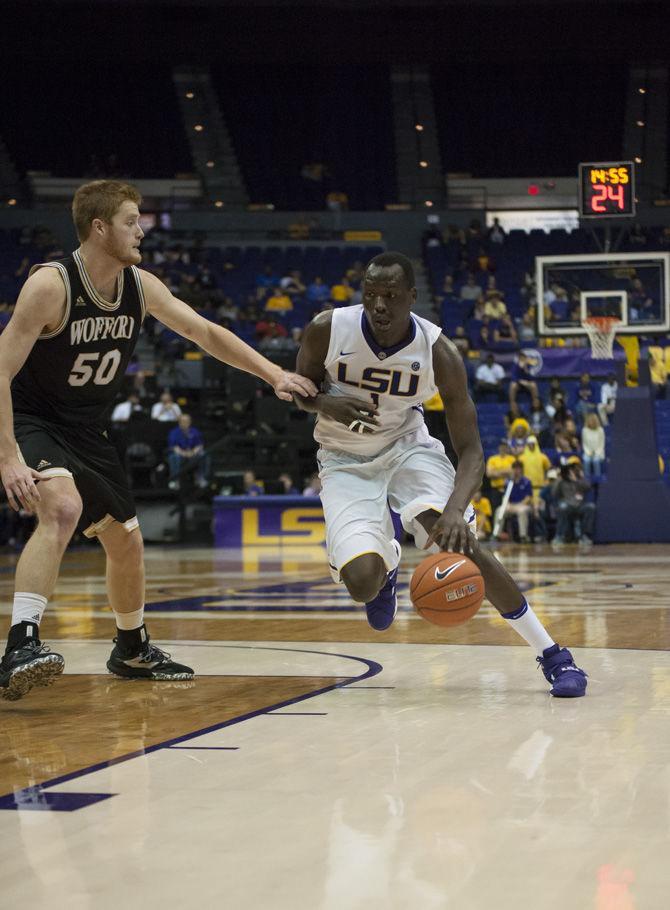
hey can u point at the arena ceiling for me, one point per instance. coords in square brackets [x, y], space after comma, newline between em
[340, 31]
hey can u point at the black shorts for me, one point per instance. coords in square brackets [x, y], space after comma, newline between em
[86, 455]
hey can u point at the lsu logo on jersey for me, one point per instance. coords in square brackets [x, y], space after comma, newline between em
[382, 381]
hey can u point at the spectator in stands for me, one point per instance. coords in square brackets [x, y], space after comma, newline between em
[355, 273]
[186, 446]
[570, 431]
[489, 378]
[292, 285]
[289, 487]
[585, 404]
[228, 310]
[495, 307]
[313, 486]
[535, 466]
[522, 379]
[496, 234]
[276, 339]
[540, 424]
[499, 471]
[659, 375]
[593, 448]
[492, 289]
[570, 497]
[520, 500]
[608, 392]
[485, 338]
[166, 408]
[270, 328]
[483, 514]
[461, 341]
[477, 313]
[448, 293]
[124, 409]
[317, 292]
[278, 302]
[557, 411]
[560, 306]
[526, 328]
[555, 388]
[267, 279]
[471, 290]
[518, 435]
[483, 262]
[505, 333]
[251, 486]
[342, 292]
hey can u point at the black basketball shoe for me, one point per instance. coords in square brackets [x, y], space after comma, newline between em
[148, 663]
[29, 663]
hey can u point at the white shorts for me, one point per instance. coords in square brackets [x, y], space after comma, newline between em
[357, 490]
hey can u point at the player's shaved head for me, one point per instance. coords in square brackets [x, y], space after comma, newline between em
[388, 260]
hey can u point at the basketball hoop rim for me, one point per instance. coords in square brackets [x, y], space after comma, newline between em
[602, 323]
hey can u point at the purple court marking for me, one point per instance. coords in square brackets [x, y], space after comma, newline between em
[32, 797]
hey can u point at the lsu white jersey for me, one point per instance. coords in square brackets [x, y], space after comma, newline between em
[397, 380]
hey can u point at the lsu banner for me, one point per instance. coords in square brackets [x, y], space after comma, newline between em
[268, 521]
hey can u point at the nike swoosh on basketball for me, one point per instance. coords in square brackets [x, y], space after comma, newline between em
[439, 576]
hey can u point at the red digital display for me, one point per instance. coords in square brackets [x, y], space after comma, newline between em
[607, 189]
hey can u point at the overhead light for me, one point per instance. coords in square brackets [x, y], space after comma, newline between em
[428, 203]
[198, 127]
[642, 91]
[11, 202]
[190, 95]
[210, 164]
[640, 122]
[638, 160]
[419, 128]
[218, 204]
[423, 164]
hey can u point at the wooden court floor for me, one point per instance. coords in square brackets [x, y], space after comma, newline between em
[314, 763]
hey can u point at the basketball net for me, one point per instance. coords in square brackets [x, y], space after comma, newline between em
[601, 331]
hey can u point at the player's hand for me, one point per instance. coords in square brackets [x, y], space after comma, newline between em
[451, 533]
[358, 416]
[292, 382]
[20, 483]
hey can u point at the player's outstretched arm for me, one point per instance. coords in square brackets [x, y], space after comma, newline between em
[450, 530]
[312, 355]
[219, 342]
[40, 307]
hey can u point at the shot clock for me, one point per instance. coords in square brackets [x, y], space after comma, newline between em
[607, 189]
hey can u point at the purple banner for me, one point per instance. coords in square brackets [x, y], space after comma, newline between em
[562, 361]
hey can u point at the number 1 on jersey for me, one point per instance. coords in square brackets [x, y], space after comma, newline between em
[375, 398]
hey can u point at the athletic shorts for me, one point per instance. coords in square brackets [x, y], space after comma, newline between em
[88, 457]
[409, 476]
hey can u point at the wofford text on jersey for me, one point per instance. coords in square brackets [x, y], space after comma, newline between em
[98, 328]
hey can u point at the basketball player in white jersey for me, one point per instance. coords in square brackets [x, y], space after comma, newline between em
[375, 364]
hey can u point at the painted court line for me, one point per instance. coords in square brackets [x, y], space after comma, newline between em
[34, 797]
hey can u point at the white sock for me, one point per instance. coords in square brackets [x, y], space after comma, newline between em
[529, 627]
[129, 621]
[28, 608]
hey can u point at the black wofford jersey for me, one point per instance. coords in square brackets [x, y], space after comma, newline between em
[73, 374]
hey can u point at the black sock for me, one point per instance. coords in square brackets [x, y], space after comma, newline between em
[21, 631]
[132, 640]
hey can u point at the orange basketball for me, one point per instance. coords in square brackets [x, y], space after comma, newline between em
[447, 589]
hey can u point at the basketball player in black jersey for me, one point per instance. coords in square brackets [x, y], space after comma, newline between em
[63, 356]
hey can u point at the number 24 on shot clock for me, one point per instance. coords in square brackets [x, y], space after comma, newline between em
[607, 189]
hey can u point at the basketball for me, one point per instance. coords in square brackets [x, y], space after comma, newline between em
[447, 589]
